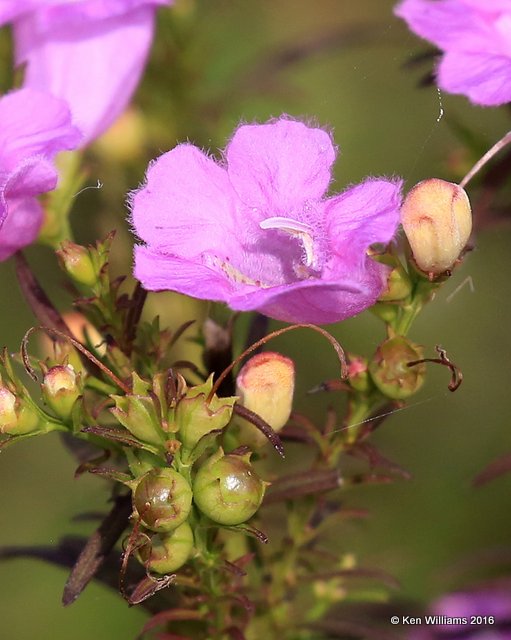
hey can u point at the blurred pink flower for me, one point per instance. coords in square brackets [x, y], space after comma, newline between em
[91, 53]
[475, 36]
[256, 231]
[34, 126]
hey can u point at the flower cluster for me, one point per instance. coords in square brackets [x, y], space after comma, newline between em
[177, 431]
[257, 231]
[475, 37]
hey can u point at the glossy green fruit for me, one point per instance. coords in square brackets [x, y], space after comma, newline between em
[167, 552]
[162, 499]
[228, 490]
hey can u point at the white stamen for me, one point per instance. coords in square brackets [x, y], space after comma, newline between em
[296, 229]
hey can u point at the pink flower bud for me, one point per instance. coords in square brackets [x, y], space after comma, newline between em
[437, 220]
[358, 374]
[61, 388]
[265, 385]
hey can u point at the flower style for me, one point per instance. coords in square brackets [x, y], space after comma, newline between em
[257, 232]
[91, 53]
[34, 126]
[475, 36]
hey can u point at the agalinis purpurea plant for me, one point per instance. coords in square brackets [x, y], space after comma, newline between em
[185, 446]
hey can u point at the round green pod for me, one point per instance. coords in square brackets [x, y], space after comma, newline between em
[162, 499]
[167, 552]
[228, 490]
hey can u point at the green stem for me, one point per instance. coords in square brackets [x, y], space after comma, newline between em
[423, 292]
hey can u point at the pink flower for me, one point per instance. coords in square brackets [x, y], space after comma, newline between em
[475, 36]
[33, 127]
[91, 53]
[257, 232]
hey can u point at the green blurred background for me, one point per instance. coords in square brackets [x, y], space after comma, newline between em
[340, 63]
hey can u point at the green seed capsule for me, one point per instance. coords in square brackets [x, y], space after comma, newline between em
[389, 368]
[163, 499]
[227, 489]
[167, 552]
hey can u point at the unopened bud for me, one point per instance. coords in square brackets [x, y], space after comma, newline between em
[137, 413]
[167, 552]
[7, 407]
[437, 220]
[358, 374]
[227, 489]
[265, 385]
[77, 262]
[162, 499]
[16, 418]
[195, 416]
[390, 371]
[61, 388]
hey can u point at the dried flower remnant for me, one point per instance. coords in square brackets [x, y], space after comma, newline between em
[389, 370]
[34, 127]
[71, 50]
[437, 220]
[475, 38]
[258, 233]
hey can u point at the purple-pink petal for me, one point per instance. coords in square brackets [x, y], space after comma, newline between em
[365, 214]
[33, 123]
[279, 165]
[446, 23]
[316, 301]
[475, 36]
[159, 272]
[85, 68]
[21, 227]
[54, 11]
[186, 205]
[90, 53]
[485, 79]
[223, 233]
[34, 127]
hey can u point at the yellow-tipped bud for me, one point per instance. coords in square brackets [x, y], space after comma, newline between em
[265, 385]
[437, 220]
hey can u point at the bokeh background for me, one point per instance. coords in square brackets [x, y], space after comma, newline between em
[345, 65]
